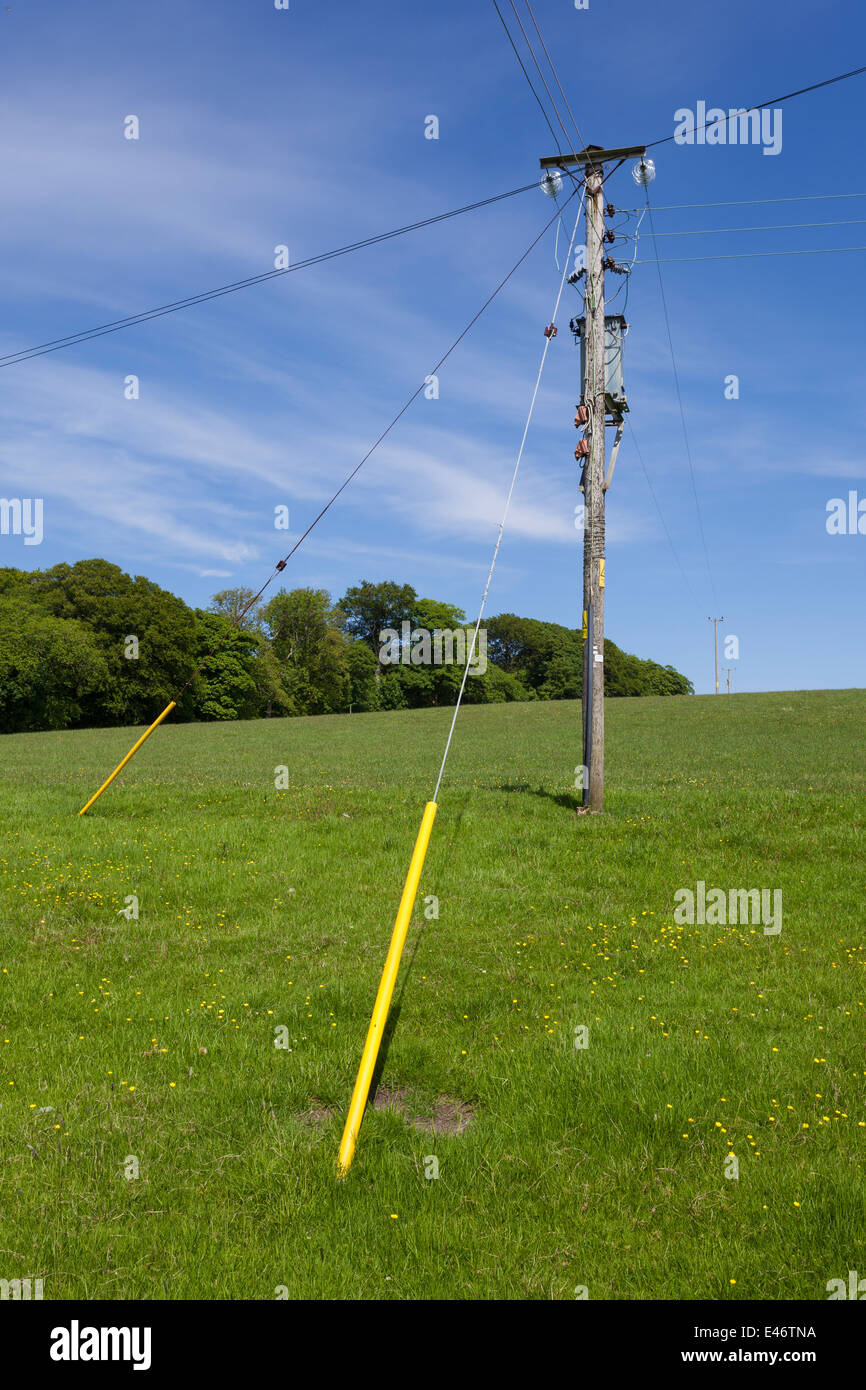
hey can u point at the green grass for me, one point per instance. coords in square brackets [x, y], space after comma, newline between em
[601, 1167]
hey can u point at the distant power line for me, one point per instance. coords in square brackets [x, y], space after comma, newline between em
[773, 101]
[750, 255]
[540, 73]
[777, 227]
[555, 74]
[85, 334]
[281, 564]
[528, 78]
[567, 172]
[749, 202]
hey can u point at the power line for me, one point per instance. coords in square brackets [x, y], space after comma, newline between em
[682, 411]
[541, 75]
[778, 227]
[752, 255]
[568, 172]
[773, 101]
[528, 79]
[85, 334]
[555, 75]
[749, 202]
[281, 564]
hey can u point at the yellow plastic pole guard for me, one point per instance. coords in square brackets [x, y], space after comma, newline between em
[386, 990]
[134, 749]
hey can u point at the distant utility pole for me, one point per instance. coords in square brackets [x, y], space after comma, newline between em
[715, 622]
[594, 407]
[729, 669]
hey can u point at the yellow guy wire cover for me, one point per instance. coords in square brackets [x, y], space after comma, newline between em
[134, 749]
[386, 990]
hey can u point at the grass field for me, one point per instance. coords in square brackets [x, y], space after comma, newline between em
[149, 1044]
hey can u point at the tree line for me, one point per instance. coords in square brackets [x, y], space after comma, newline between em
[87, 645]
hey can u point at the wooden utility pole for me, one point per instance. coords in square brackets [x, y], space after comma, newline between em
[729, 669]
[715, 622]
[593, 534]
[594, 392]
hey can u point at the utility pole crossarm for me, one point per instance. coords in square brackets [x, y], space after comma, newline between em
[593, 154]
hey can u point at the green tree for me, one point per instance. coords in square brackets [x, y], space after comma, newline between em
[233, 602]
[51, 669]
[272, 698]
[495, 687]
[542, 655]
[225, 687]
[364, 675]
[87, 644]
[310, 648]
[115, 608]
[563, 675]
[431, 614]
[369, 609]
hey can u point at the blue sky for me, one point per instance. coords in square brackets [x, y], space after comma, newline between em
[306, 127]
